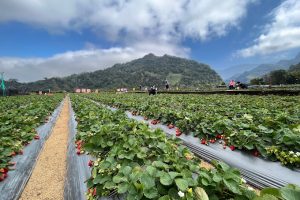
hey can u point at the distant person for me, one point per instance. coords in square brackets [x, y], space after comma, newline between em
[141, 88]
[167, 85]
[153, 90]
[244, 86]
[231, 85]
[240, 85]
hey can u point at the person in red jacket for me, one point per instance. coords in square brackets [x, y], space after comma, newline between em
[231, 85]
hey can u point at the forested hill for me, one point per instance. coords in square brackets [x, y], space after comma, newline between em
[147, 71]
[281, 76]
[263, 69]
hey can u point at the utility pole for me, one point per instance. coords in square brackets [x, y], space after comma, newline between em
[3, 84]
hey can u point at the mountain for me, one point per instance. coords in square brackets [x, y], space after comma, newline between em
[281, 76]
[235, 70]
[294, 68]
[263, 69]
[147, 71]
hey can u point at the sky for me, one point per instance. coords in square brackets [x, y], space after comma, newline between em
[56, 38]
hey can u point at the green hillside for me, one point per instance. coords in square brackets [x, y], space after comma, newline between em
[281, 76]
[147, 71]
[263, 69]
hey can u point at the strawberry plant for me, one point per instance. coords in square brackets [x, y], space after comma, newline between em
[139, 163]
[19, 117]
[249, 123]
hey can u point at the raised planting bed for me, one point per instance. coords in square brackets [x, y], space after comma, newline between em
[139, 163]
[267, 127]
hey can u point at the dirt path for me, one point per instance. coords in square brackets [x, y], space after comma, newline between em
[47, 179]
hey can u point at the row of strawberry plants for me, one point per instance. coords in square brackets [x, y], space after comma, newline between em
[19, 116]
[140, 163]
[266, 126]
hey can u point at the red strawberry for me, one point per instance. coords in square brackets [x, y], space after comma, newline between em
[203, 141]
[77, 142]
[5, 170]
[154, 122]
[78, 152]
[2, 177]
[178, 132]
[5, 176]
[232, 148]
[224, 147]
[94, 192]
[219, 136]
[170, 126]
[90, 164]
[36, 137]
[256, 153]
[212, 141]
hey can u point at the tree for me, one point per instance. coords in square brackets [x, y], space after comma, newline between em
[257, 81]
[278, 76]
[12, 80]
[294, 68]
[290, 76]
[294, 74]
[293, 77]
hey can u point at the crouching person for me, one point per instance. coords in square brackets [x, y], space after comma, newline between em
[152, 90]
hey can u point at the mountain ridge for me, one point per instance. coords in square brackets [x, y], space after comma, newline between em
[146, 71]
[228, 72]
[263, 69]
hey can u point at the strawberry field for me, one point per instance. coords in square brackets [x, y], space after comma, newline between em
[267, 126]
[113, 156]
[19, 117]
[137, 162]
[132, 159]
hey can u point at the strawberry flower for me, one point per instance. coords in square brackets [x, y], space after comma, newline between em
[181, 194]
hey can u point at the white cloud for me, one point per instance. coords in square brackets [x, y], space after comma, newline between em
[138, 26]
[80, 61]
[283, 33]
[164, 19]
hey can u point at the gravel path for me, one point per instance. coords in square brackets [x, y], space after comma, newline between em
[47, 179]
